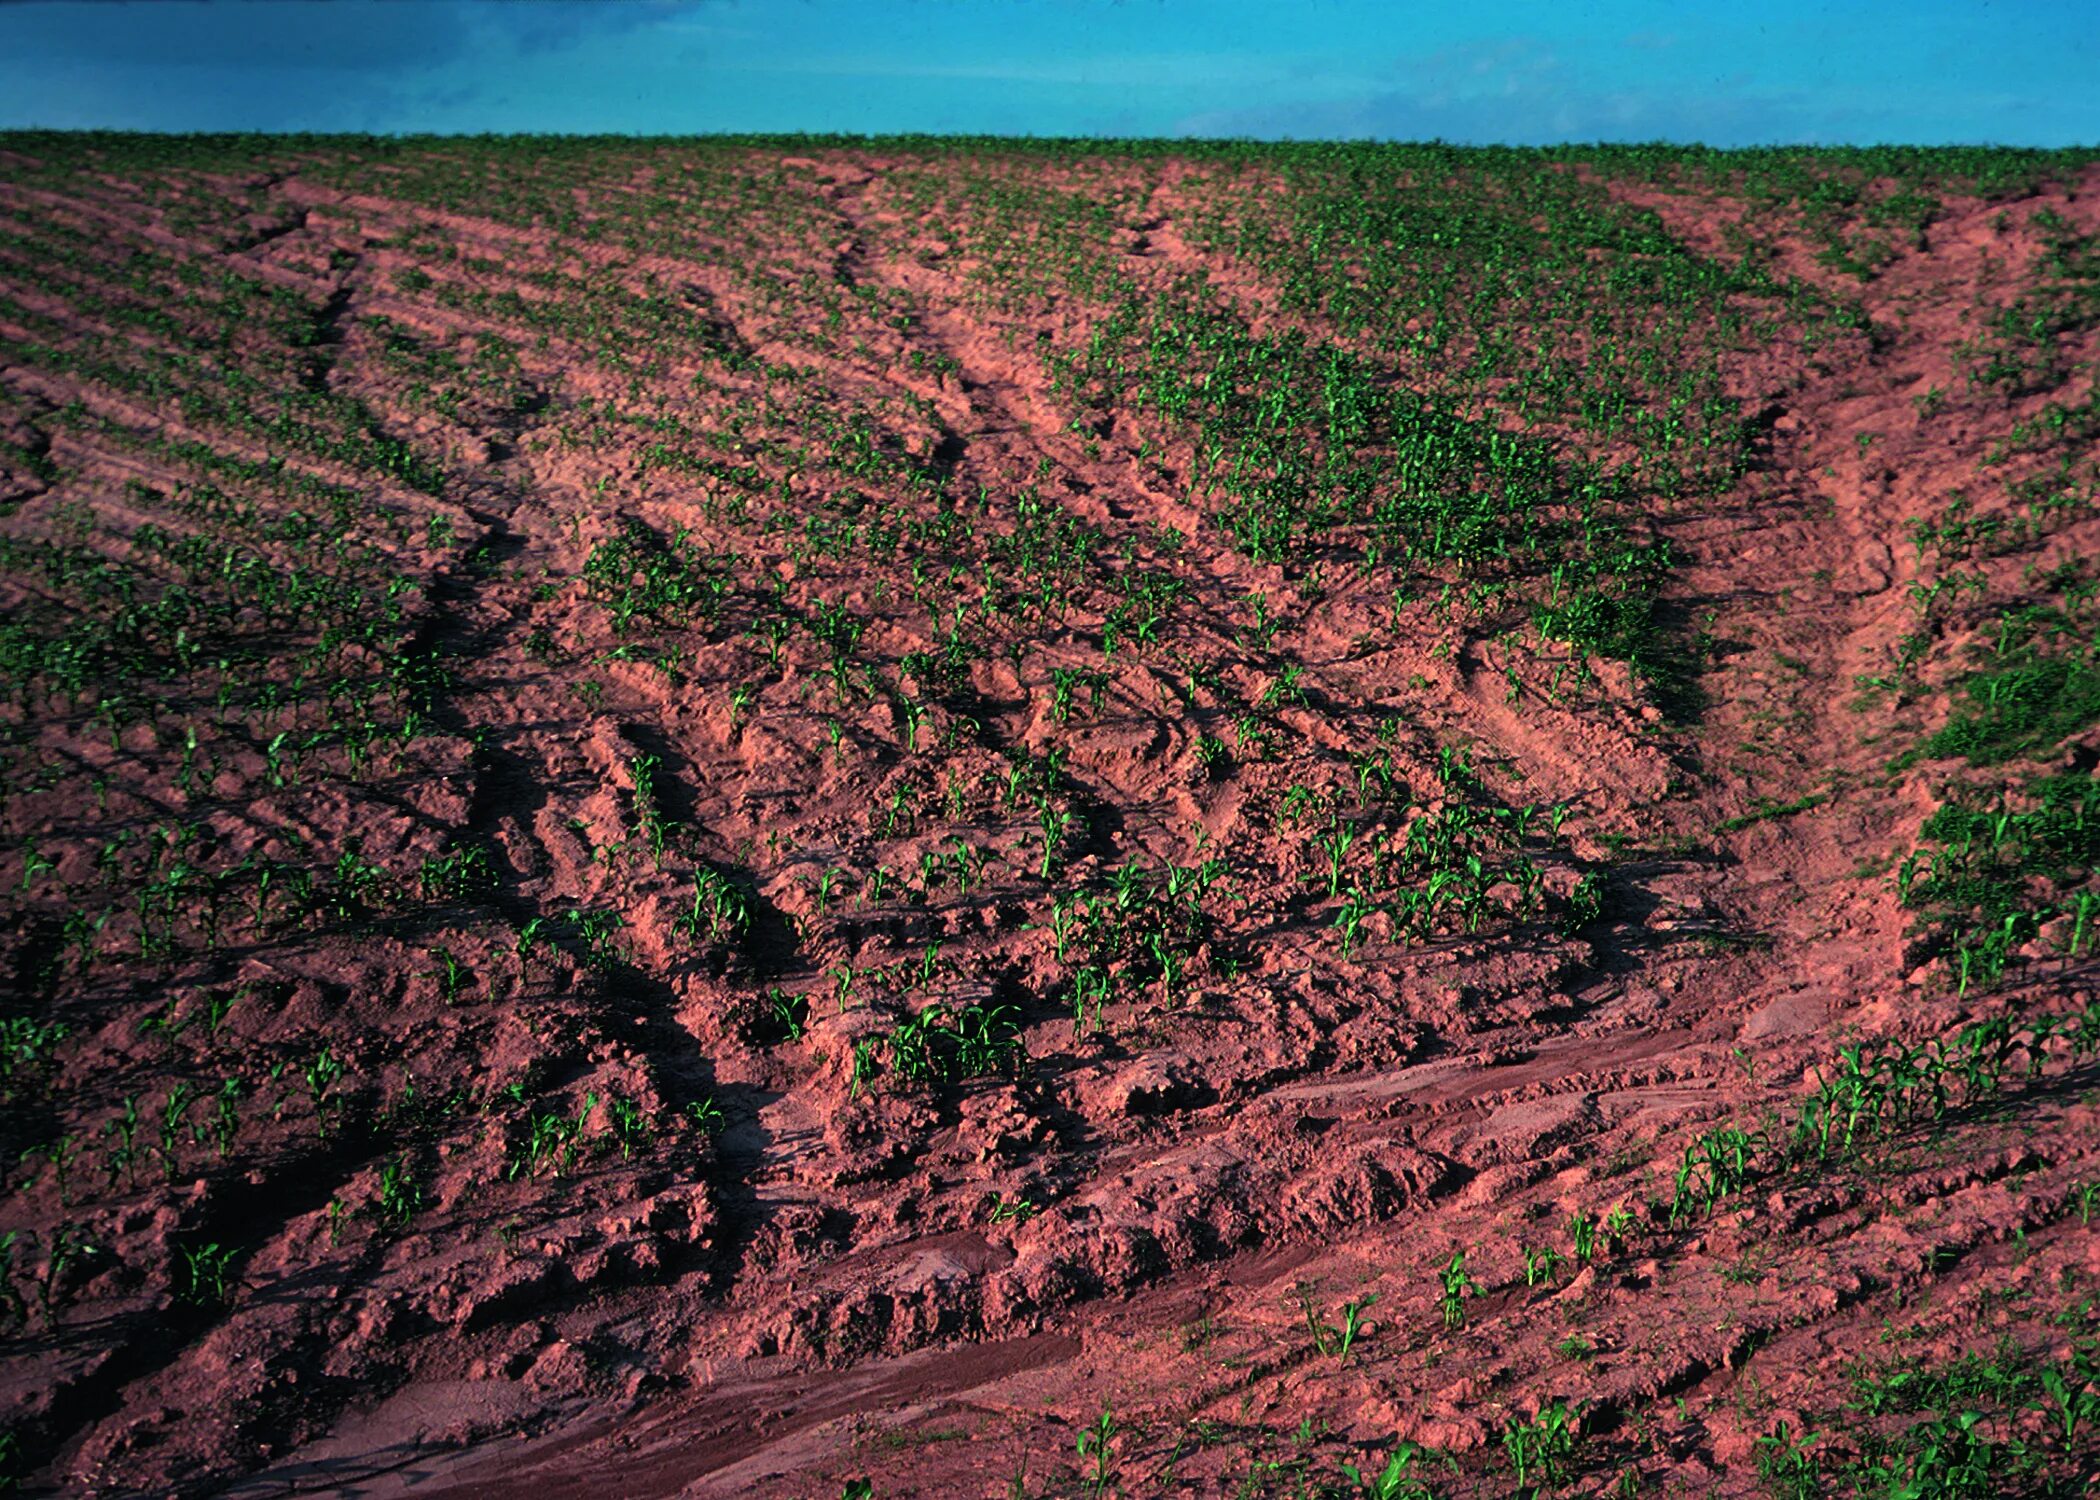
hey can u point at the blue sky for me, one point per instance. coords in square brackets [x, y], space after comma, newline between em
[2018, 72]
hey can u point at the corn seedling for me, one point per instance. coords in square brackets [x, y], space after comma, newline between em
[121, 1156]
[843, 976]
[1090, 992]
[14, 1310]
[706, 1116]
[1713, 1166]
[1456, 1286]
[1064, 922]
[200, 1273]
[1336, 846]
[1788, 1464]
[630, 1126]
[2073, 1401]
[912, 714]
[65, 1245]
[452, 975]
[176, 1106]
[551, 1139]
[1096, 1446]
[598, 932]
[321, 1074]
[719, 911]
[644, 774]
[457, 875]
[26, 1047]
[1349, 921]
[1329, 1338]
[34, 863]
[1541, 1265]
[400, 1196]
[1539, 1450]
[1004, 1210]
[530, 937]
[789, 1012]
[1393, 1480]
[863, 1065]
[58, 1155]
[226, 1116]
[1055, 823]
[939, 1045]
[1286, 687]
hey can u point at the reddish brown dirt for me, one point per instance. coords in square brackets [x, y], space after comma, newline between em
[818, 1289]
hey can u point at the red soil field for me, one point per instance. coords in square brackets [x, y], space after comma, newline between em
[950, 818]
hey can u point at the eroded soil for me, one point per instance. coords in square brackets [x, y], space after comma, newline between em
[746, 816]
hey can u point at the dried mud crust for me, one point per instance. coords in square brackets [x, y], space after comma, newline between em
[707, 869]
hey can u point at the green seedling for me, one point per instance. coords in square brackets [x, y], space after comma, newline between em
[458, 875]
[863, 1064]
[1286, 687]
[400, 1195]
[1713, 1166]
[1004, 1210]
[551, 1138]
[843, 976]
[913, 714]
[1540, 1265]
[631, 1127]
[1394, 1480]
[719, 911]
[67, 1244]
[2073, 1402]
[1788, 1464]
[1065, 683]
[226, 1116]
[789, 1012]
[1327, 1337]
[122, 1153]
[1055, 823]
[34, 863]
[1336, 845]
[1096, 1447]
[1541, 1448]
[530, 936]
[26, 1047]
[1091, 990]
[644, 774]
[58, 1155]
[1064, 922]
[1350, 919]
[1456, 1286]
[14, 1310]
[180, 1097]
[321, 1075]
[201, 1274]
[598, 931]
